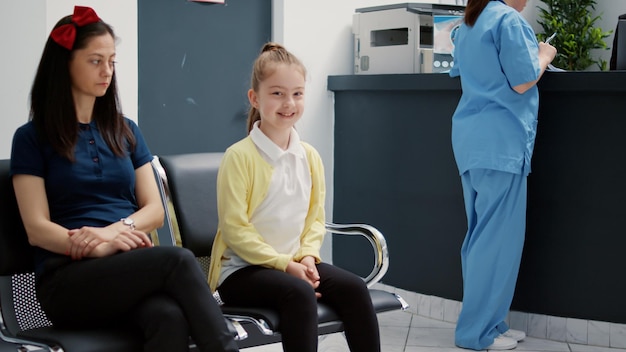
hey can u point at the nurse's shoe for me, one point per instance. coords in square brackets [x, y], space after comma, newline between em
[502, 343]
[516, 335]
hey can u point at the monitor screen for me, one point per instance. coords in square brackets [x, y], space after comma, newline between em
[618, 59]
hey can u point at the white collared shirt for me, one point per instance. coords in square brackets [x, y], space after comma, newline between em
[280, 217]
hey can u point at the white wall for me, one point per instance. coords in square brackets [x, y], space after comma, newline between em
[21, 44]
[27, 24]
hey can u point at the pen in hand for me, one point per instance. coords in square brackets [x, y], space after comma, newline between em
[550, 66]
[550, 38]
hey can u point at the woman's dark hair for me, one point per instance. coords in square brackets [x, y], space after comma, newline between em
[52, 107]
[473, 9]
[271, 54]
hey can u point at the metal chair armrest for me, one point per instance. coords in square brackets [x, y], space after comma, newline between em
[376, 239]
[240, 332]
[258, 323]
[166, 198]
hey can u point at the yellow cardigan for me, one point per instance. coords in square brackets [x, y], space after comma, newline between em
[242, 183]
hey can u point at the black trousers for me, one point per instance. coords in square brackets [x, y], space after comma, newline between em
[161, 290]
[296, 303]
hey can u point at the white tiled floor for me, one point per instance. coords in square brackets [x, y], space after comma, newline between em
[409, 332]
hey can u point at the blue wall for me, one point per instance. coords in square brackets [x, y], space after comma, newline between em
[194, 68]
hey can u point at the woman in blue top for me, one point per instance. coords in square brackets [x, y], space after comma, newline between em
[493, 133]
[87, 197]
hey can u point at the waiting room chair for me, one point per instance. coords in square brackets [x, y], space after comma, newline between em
[191, 206]
[22, 321]
[11, 347]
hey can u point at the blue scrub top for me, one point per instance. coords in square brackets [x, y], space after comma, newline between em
[96, 190]
[493, 126]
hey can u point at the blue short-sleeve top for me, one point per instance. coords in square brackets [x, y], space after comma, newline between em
[97, 189]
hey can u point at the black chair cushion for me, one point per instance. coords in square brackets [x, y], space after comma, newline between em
[382, 301]
[92, 340]
[8, 347]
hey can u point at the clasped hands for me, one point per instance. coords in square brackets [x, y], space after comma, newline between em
[97, 242]
[307, 271]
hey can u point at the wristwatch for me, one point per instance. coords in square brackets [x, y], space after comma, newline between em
[128, 222]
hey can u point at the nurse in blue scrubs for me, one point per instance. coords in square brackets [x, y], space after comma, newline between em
[499, 61]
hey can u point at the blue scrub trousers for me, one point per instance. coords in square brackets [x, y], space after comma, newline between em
[495, 203]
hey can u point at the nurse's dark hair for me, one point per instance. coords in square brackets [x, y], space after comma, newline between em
[52, 109]
[263, 67]
[473, 9]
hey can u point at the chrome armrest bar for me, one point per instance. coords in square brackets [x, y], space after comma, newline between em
[10, 336]
[376, 239]
[259, 323]
[242, 334]
[21, 344]
[164, 189]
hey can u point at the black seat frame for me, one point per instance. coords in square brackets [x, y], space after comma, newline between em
[22, 321]
[189, 182]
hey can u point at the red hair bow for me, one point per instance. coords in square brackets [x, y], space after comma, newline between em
[66, 34]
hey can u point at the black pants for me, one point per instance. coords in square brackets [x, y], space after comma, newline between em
[162, 290]
[296, 303]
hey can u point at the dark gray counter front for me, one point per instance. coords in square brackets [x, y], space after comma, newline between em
[394, 169]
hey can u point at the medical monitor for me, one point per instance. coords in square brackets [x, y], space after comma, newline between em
[619, 49]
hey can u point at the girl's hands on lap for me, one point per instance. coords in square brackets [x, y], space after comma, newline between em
[311, 272]
[307, 271]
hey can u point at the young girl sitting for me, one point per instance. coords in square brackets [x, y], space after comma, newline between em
[270, 191]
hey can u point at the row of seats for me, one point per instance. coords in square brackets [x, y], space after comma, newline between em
[188, 191]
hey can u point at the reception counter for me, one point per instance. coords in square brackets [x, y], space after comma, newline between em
[394, 169]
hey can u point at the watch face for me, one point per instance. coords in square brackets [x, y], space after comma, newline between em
[128, 221]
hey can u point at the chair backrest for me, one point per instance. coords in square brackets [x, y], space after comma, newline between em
[192, 182]
[15, 253]
[20, 308]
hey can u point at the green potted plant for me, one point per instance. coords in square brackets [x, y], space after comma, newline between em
[576, 36]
